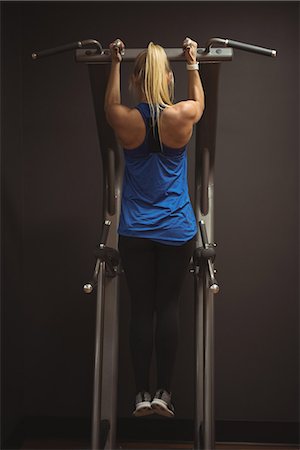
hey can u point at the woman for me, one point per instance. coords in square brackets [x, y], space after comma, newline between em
[157, 225]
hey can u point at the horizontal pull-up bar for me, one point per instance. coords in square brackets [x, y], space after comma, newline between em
[173, 54]
[98, 55]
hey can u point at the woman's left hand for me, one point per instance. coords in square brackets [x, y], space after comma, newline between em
[116, 49]
[190, 50]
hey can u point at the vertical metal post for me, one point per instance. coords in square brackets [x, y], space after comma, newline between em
[199, 366]
[204, 437]
[208, 341]
[96, 417]
[112, 167]
[208, 394]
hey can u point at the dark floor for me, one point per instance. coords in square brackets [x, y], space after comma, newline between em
[55, 444]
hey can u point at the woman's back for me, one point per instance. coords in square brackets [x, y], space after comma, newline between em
[176, 125]
[155, 199]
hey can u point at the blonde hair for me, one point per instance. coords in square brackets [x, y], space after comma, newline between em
[151, 72]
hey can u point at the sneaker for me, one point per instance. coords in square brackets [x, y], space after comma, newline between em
[143, 404]
[161, 404]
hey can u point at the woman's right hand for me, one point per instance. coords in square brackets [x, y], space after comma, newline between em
[116, 50]
[190, 50]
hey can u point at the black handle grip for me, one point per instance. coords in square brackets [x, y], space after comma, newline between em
[250, 48]
[67, 47]
[105, 231]
[55, 50]
[241, 46]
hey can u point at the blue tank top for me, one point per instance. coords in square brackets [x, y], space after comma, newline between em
[155, 198]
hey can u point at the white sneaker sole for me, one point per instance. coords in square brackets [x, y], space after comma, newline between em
[143, 409]
[161, 408]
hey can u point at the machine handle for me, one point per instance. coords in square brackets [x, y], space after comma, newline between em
[66, 48]
[251, 48]
[90, 285]
[203, 233]
[213, 284]
[241, 46]
[105, 231]
[55, 50]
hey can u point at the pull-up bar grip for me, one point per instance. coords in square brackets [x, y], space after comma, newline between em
[67, 47]
[240, 46]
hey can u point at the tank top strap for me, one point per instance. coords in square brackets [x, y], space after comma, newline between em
[152, 135]
[144, 110]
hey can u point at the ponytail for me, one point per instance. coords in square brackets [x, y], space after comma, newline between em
[151, 67]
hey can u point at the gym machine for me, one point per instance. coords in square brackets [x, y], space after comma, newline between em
[107, 268]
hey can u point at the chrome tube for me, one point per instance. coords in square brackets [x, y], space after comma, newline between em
[96, 416]
[208, 392]
[112, 169]
[204, 296]
[199, 366]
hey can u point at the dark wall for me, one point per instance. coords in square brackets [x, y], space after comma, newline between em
[12, 221]
[52, 188]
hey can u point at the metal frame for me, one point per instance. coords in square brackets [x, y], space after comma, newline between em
[93, 56]
[205, 146]
[104, 419]
[106, 339]
[204, 435]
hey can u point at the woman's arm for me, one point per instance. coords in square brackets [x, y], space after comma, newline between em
[116, 114]
[121, 118]
[113, 94]
[195, 89]
[178, 121]
[112, 100]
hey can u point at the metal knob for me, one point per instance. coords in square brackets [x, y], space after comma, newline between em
[215, 288]
[88, 288]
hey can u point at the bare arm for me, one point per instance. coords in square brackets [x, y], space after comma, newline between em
[195, 88]
[116, 114]
[112, 94]
[180, 118]
[112, 102]
[121, 118]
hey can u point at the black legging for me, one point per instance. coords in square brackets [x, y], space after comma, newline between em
[155, 273]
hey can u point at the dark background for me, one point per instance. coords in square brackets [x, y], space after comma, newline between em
[51, 208]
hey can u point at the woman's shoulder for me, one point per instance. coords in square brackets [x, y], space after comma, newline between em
[182, 111]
